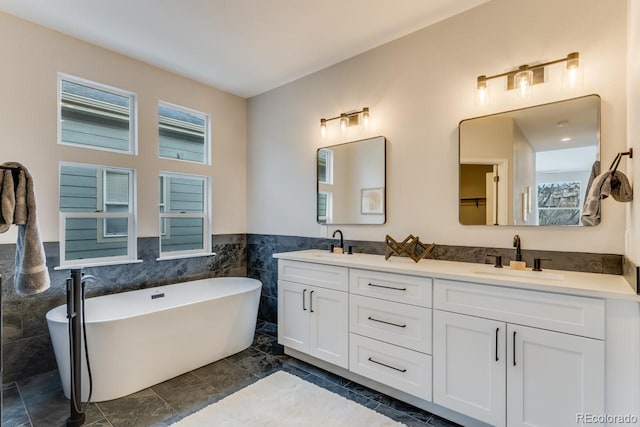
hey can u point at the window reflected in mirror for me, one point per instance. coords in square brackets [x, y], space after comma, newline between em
[351, 182]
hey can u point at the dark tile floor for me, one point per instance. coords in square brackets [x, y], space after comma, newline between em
[38, 400]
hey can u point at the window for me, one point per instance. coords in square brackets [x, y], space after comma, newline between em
[325, 166]
[325, 183]
[184, 215]
[115, 198]
[183, 134]
[559, 203]
[97, 219]
[96, 116]
[325, 200]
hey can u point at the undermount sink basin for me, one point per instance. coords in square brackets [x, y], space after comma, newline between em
[328, 254]
[524, 274]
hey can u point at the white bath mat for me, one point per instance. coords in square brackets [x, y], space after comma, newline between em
[284, 400]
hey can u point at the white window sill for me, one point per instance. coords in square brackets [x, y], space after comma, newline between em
[168, 257]
[97, 264]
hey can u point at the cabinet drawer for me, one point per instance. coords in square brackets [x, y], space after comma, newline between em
[324, 276]
[570, 314]
[388, 364]
[393, 287]
[400, 324]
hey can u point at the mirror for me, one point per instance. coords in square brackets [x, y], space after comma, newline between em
[351, 180]
[530, 166]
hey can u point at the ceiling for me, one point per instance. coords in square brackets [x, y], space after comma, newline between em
[245, 47]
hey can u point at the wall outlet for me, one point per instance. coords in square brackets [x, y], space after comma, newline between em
[323, 231]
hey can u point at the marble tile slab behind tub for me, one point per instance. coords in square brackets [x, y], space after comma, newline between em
[268, 309]
[267, 328]
[26, 357]
[269, 281]
[11, 321]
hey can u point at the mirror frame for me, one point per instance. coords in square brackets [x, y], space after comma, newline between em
[599, 157]
[384, 200]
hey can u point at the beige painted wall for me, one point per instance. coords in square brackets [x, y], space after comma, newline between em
[418, 88]
[31, 58]
[633, 131]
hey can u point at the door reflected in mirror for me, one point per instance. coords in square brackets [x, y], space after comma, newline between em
[351, 182]
[531, 166]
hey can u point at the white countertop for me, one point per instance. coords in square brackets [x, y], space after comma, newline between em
[565, 282]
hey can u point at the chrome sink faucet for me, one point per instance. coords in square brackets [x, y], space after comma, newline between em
[516, 244]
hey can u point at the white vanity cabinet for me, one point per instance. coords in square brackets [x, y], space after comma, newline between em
[390, 330]
[514, 357]
[313, 306]
[474, 350]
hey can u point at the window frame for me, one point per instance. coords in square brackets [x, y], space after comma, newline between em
[205, 215]
[103, 235]
[207, 130]
[328, 167]
[328, 215]
[133, 113]
[131, 216]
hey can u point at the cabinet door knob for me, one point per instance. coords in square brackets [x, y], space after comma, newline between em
[304, 291]
[311, 301]
[497, 331]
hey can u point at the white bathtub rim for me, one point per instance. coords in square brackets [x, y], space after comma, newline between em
[58, 315]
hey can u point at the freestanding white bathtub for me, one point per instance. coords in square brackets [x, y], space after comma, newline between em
[140, 338]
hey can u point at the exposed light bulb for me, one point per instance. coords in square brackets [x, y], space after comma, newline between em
[523, 80]
[482, 90]
[573, 73]
[365, 117]
[323, 127]
[344, 122]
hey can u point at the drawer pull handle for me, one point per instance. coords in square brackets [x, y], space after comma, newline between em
[304, 291]
[387, 287]
[387, 366]
[387, 323]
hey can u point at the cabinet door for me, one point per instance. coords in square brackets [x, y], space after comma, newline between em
[293, 315]
[469, 373]
[329, 325]
[552, 377]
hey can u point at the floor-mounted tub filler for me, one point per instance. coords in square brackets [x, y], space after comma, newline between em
[140, 338]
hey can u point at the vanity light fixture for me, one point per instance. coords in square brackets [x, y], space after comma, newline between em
[350, 118]
[526, 76]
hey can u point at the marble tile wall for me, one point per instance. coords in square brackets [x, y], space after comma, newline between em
[261, 264]
[26, 347]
